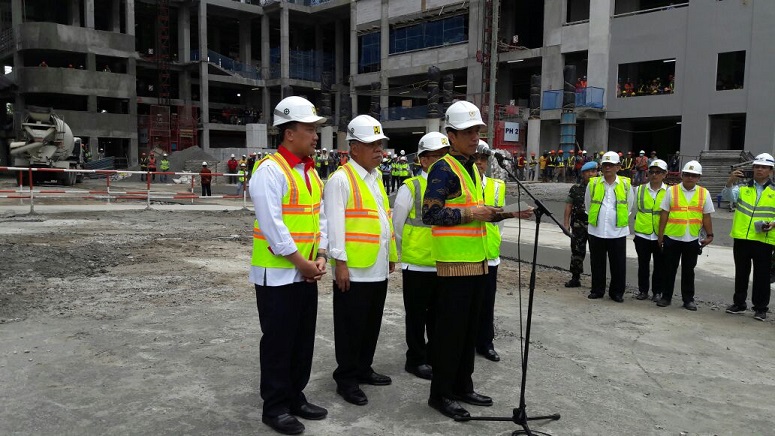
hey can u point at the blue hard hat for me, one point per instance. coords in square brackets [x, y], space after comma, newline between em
[589, 166]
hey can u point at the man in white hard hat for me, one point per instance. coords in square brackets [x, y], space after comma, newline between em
[454, 205]
[648, 200]
[418, 268]
[289, 257]
[686, 210]
[751, 234]
[164, 166]
[641, 167]
[608, 201]
[233, 165]
[363, 250]
[205, 178]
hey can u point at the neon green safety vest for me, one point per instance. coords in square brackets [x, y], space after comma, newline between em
[404, 169]
[683, 213]
[463, 242]
[361, 222]
[494, 195]
[647, 216]
[416, 236]
[241, 175]
[750, 210]
[597, 193]
[395, 169]
[164, 165]
[301, 215]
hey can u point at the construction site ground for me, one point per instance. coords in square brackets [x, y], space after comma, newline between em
[115, 319]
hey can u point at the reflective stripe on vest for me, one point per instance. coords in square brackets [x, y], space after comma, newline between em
[683, 213]
[301, 215]
[750, 210]
[494, 195]
[647, 217]
[621, 191]
[362, 229]
[416, 236]
[463, 242]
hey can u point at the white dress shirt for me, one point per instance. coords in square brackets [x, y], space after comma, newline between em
[688, 194]
[401, 208]
[653, 193]
[336, 194]
[606, 219]
[267, 189]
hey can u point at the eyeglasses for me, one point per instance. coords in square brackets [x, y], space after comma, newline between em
[690, 175]
[656, 173]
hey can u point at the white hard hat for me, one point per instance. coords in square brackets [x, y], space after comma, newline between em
[483, 148]
[364, 128]
[232, 155]
[243, 165]
[462, 115]
[659, 163]
[764, 159]
[403, 152]
[165, 154]
[692, 167]
[642, 152]
[244, 155]
[402, 159]
[385, 160]
[610, 157]
[325, 149]
[204, 164]
[297, 109]
[431, 142]
[584, 152]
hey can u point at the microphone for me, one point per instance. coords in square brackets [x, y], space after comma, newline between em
[502, 159]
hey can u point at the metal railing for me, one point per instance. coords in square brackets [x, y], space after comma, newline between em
[648, 11]
[229, 64]
[589, 97]
[304, 64]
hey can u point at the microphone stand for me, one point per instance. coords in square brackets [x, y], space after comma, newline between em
[519, 415]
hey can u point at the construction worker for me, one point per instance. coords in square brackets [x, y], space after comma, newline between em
[753, 220]
[386, 168]
[242, 176]
[608, 201]
[532, 167]
[675, 162]
[164, 166]
[395, 173]
[418, 268]
[570, 166]
[243, 160]
[232, 164]
[363, 249]
[143, 167]
[648, 200]
[576, 221]
[641, 166]
[252, 159]
[453, 204]
[686, 210]
[521, 162]
[289, 258]
[152, 166]
[551, 164]
[627, 164]
[205, 178]
[561, 163]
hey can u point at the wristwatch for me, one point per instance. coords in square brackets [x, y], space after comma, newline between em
[323, 255]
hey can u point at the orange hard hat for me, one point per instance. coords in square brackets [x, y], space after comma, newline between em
[620, 154]
[551, 151]
[559, 151]
[532, 153]
[580, 151]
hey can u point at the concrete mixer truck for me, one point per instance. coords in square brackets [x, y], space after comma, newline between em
[49, 143]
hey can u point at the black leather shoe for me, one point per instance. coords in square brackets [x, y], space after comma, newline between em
[285, 423]
[663, 302]
[690, 305]
[617, 298]
[353, 396]
[375, 379]
[474, 399]
[423, 371]
[447, 407]
[309, 411]
[593, 296]
[491, 355]
[573, 283]
[656, 297]
[642, 295]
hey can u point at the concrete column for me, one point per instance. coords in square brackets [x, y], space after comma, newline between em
[115, 16]
[130, 16]
[245, 49]
[384, 51]
[184, 34]
[266, 103]
[131, 69]
[353, 64]
[338, 69]
[534, 137]
[285, 49]
[327, 137]
[596, 134]
[74, 10]
[599, 44]
[204, 79]
[88, 13]
[433, 125]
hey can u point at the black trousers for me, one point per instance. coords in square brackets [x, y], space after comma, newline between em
[686, 254]
[206, 190]
[487, 314]
[745, 252]
[420, 289]
[357, 320]
[287, 315]
[615, 249]
[458, 304]
[648, 250]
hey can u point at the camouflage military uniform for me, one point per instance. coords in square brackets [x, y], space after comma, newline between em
[578, 228]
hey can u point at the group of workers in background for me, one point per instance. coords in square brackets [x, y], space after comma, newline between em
[443, 227]
[672, 225]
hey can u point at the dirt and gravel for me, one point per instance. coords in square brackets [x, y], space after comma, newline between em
[143, 322]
